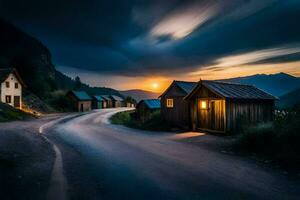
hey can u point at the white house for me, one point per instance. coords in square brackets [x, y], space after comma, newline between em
[11, 87]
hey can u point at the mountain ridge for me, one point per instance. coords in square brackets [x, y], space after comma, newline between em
[139, 94]
[276, 84]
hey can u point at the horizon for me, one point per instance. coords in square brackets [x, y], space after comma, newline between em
[147, 44]
[162, 88]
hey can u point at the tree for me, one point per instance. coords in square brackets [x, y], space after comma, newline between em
[78, 83]
[129, 99]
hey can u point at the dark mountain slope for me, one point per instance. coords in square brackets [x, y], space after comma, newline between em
[31, 58]
[276, 84]
[33, 62]
[290, 99]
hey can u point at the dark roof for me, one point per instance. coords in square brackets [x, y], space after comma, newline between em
[4, 73]
[81, 95]
[106, 97]
[237, 91]
[98, 98]
[151, 103]
[186, 86]
[116, 98]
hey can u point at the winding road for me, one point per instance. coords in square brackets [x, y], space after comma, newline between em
[97, 160]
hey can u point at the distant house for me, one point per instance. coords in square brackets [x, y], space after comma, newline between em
[108, 101]
[98, 102]
[116, 101]
[223, 107]
[174, 109]
[11, 87]
[145, 107]
[81, 101]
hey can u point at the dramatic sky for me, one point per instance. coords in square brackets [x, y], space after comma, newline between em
[147, 43]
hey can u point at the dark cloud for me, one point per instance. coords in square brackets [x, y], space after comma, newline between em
[137, 37]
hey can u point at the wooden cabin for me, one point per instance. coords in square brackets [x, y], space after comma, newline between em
[81, 101]
[11, 87]
[107, 100]
[225, 107]
[98, 102]
[116, 101]
[145, 107]
[174, 109]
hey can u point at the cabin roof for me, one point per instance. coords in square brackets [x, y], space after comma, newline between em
[236, 91]
[116, 98]
[98, 98]
[106, 97]
[5, 72]
[81, 95]
[185, 86]
[151, 103]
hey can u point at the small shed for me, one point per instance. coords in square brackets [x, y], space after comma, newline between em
[81, 101]
[107, 100]
[98, 102]
[174, 109]
[145, 107]
[223, 107]
[116, 101]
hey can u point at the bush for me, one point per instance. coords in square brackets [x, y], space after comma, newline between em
[59, 101]
[121, 118]
[279, 140]
[153, 123]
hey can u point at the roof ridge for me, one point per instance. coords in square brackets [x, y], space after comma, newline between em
[228, 83]
[186, 81]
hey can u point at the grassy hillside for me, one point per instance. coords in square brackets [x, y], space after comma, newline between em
[8, 113]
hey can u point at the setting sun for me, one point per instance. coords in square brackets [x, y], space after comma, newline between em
[155, 85]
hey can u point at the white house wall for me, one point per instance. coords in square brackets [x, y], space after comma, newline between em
[12, 91]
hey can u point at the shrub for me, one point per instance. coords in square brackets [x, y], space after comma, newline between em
[121, 118]
[279, 140]
[60, 101]
[153, 123]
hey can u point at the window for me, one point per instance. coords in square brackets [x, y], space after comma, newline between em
[203, 104]
[16, 85]
[170, 103]
[7, 84]
[7, 99]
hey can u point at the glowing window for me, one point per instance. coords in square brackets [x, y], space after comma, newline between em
[203, 104]
[170, 103]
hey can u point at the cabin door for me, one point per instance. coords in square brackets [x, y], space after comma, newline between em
[81, 107]
[17, 102]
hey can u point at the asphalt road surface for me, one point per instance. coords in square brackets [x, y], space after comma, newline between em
[92, 159]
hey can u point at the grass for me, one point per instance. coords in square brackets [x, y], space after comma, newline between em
[154, 123]
[8, 113]
[278, 141]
